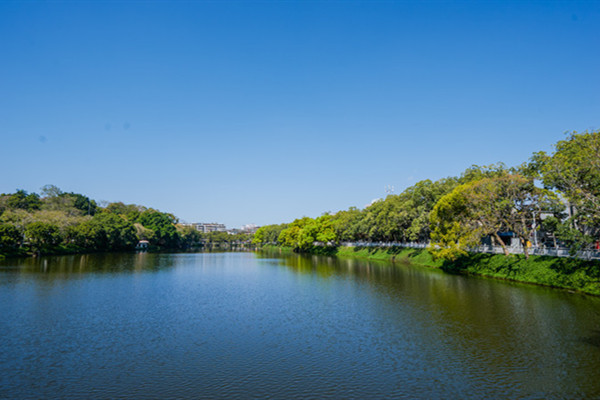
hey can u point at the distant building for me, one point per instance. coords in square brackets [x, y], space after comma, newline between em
[250, 228]
[206, 227]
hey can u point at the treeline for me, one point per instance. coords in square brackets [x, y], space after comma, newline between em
[57, 222]
[552, 199]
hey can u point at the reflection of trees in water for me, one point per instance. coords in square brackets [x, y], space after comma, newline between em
[326, 267]
[98, 262]
[90, 263]
[501, 326]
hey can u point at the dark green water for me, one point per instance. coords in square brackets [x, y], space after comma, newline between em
[244, 325]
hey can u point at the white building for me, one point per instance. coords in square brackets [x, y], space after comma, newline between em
[206, 227]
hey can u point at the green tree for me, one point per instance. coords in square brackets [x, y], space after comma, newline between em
[42, 236]
[268, 234]
[260, 235]
[304, 232]
[163, 226]
[344, 224]
[88, 235]
[573, 169]
[508, 202]
[478, 172]
[189, 236]
[82, 203]
[119, 233]
[10, 238]
[454, 228]
[402, 217]
[522, 204]
[290, 236]
[130, 211]
[103, 232]
[21, 199]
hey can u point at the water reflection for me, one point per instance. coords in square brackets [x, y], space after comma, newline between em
[286, 326]
[512, 332]
[72, 265]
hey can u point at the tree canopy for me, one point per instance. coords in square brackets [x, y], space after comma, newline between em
[58, 221]
[455, 214]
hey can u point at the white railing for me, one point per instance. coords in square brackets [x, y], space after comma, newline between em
[538, 251]
[414, 245]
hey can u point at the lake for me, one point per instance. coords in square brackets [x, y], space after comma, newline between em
[257, 325]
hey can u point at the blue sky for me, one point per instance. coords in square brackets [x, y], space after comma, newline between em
[262, 112]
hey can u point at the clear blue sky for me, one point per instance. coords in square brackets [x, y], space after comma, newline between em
[262, 112]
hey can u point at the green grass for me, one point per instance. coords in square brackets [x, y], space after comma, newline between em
[566, 273]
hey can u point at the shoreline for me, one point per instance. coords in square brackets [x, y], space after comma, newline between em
[570, 274]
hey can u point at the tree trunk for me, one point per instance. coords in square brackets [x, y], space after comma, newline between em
[525, 248]
[501, 243]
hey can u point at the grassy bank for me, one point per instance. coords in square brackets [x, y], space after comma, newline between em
[565, 273]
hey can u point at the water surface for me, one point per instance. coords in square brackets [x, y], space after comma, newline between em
[245, 325]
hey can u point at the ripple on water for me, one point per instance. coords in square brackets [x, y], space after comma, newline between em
[236, 326]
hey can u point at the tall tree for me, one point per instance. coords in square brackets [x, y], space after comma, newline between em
[574, 170]
[10, 238]
[42, 236]
[23, 200]
[488, 206]
[163, 225]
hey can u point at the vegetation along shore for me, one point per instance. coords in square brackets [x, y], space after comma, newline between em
[551, 202]
[56, 222]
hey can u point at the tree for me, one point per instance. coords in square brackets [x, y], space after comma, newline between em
[303, 233]
[190, 237]
[507, 202]
[130, 211]
[344, 223]
[118, 233]
[259, 235]
[50, 191]
[10, 238]
[88, 235]
[83, 203]
[478, 172]
[574, 170]
[163, 225]
[21, 199]
[420, 200]
[454, 225]
[103, 232]
[521, 204]
[402, 217]
[290, 236]
[268, 234]
[42, 236]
